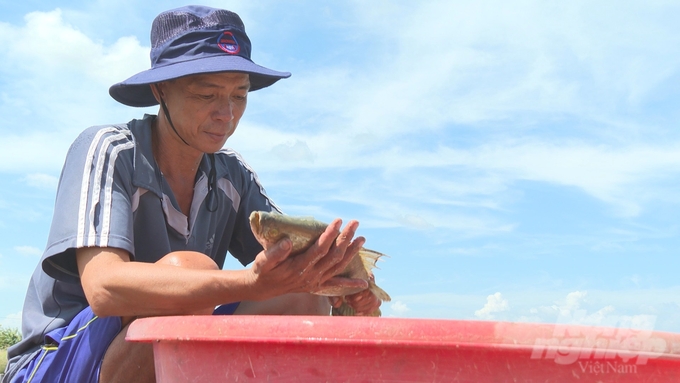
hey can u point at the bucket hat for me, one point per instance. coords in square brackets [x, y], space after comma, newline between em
[194, 40]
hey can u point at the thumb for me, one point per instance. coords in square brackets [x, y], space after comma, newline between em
[275, 255]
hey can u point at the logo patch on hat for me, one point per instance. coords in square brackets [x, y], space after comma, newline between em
[227, 42]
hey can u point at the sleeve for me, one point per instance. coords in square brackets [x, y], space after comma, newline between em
[244, 246]
[93, 203]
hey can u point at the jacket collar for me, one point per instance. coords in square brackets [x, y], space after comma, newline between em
[146, 173]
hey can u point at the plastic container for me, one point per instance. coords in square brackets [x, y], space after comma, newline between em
[354, 349]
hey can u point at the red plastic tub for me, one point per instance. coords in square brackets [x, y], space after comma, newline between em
[353, 349]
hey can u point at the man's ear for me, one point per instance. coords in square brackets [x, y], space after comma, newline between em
[157, 90]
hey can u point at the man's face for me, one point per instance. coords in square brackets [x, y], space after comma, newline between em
[206, 109]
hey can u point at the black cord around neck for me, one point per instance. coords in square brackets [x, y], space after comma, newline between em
[211, 202]
[167, 116]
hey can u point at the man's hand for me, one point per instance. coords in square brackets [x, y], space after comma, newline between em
[275, 273]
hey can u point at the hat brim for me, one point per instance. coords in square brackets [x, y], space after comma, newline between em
[135, 91]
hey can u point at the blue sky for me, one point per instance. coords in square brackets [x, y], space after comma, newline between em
[517, 160]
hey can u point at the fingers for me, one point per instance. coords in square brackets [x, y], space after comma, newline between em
[364, 302]
[341, 253]
[330, 254]
[350, 252]
[272, 257]
[313, 269]
[326, 240]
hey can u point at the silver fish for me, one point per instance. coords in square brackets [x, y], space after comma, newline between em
[269, 228]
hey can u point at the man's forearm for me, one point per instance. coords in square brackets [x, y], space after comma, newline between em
[114, 286]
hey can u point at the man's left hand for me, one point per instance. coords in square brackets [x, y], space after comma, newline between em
[364, 302]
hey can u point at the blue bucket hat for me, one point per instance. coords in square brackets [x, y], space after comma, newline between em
[193, 40]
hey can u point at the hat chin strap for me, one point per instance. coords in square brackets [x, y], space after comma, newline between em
[211, 202]
[167, 116]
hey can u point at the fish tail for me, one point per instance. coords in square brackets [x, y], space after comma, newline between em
[380, 293]
[369, 258]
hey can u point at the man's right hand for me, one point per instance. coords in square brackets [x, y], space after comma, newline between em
[274, 272]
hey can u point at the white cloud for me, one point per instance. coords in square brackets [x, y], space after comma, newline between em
[571, 311]
[571, 303]
[521, 67]
[57, 78]
[491, 68]
[399, 308]
[484, 177]
[616, 175]
[41, 181]
[525, 42]
[293, 152]
[414, 221]
[494, 304]
[12, 320]
[525, 56]
[625, 177]
[28, 251]
[637, 308]
[573, 300]
[76, 53]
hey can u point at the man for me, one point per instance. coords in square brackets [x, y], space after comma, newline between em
[146, 212]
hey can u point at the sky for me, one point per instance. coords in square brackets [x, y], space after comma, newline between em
[517, 160]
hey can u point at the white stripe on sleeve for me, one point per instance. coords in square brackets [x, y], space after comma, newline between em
[84, 190]
[91, 192]
[108, 192]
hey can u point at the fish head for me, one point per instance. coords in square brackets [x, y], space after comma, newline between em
[270, 228]
[264, 229]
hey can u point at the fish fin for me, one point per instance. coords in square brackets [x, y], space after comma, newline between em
[380, 293]
[369, 258]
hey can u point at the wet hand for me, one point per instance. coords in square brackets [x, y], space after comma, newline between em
[364, 302]
[274, 272]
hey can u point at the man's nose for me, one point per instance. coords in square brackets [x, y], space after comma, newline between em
[225, 111]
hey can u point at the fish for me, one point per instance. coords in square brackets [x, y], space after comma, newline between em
[269, 228]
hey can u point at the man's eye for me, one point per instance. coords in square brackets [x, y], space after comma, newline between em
[205, 96]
